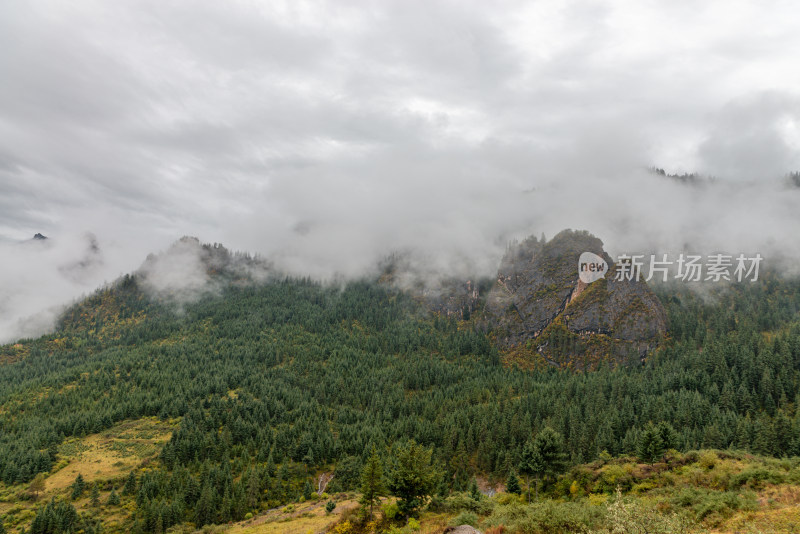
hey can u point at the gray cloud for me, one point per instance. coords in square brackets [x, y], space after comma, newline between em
[323, 135]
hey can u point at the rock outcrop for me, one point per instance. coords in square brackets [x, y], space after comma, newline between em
[538, 302]
[462, 529]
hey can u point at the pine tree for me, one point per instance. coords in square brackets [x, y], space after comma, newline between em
[372, 486]
[412, 477]
[130, 484]
[283, 478]
[474, 492]
[2, 527]
[307, 490]
[37, 486]
[94, 500]
[204, 511]
[669, 437]
[544, 457]
[329, 507]
[224, 512]
[271, 468]
[78, 487]
[253, 490]
[512, 483]
[113, 498]
[531, 465]
[650, 446]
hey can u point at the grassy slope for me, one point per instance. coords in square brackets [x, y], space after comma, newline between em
[104, 458]
[700, 491]
[712, 491]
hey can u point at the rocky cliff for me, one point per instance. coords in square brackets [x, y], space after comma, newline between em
[539, 306]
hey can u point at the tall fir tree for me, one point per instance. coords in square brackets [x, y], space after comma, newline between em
[129, 488]
[651, 446]
[512, 483]
[544, 457]
[94, 498]
[78, 487]
[372, 484]
[412, 477]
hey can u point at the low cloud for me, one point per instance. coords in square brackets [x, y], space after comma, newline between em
[40, 277]
[177, 275]
[327, 136]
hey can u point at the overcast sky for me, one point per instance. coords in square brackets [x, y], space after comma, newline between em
[322, 134]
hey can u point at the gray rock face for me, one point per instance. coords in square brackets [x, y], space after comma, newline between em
[538, 300]
[462, 529]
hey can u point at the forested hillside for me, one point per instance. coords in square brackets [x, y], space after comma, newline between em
[269, 384]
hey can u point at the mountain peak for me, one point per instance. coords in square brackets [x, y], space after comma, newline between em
[539, 304]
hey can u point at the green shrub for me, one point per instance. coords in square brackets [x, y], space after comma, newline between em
[465, 518]
[755, 477]
[436, 504]
[712, 506]
[548, 517]
[330, 506]
[625, 516]
[507, 498]
[390, 510]
[613, 476]
[463, 501]
[708, 459]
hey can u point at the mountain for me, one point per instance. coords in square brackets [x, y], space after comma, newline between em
[537, 309]
[206, 388]
[539, 303]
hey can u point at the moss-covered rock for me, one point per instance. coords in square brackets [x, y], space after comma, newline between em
[538, 298]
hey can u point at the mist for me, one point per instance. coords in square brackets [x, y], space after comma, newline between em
[326, 136]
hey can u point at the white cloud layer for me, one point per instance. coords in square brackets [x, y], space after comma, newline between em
[324, 134]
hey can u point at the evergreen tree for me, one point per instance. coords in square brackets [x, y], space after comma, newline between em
[650, 446]
[253, 490]
[36, 487]
[329, 507]
[204, 511]
[129, 488]
[512, 483]
[669, 437]
[544, 457]
[78, 487]
[307, 490]
[474, 492]
[347, 474]
[412, 477]
[372, 485]
[283, 479]
[94, 499]
[532, 464]
[113, 498]
[56, 518]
